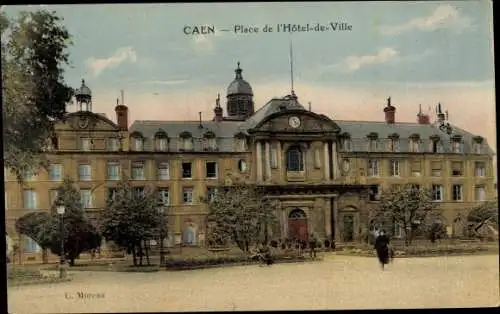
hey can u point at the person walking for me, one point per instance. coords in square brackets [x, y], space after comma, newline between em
[312, 246]
[382, 248]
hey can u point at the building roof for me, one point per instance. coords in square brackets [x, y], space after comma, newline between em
[239, 86]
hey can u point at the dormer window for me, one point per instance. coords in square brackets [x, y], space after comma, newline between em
[457, 144]
[394, 143]
[477, 145]
[346, 142]
[414, 143]
[240, 142]
[137, 141]
[210, 141]
[161, 141]
[372, 142]
[435, 145]
[186, 141]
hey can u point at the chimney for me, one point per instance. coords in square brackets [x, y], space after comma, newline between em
[390, 112]
[423, 118]
[218, 111]
[440, 115]
[121, 115]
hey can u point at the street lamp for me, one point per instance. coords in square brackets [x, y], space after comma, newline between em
[60, 211]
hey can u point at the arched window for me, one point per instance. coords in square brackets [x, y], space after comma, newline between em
[242, 165]
[297, 214]
[294, 159]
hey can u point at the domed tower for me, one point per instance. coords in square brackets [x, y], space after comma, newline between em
[83, 96]
[240, 104]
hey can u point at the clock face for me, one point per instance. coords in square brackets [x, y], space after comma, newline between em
[294, 122]
[83, 123]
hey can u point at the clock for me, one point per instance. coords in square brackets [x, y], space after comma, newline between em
[294, 122]
[83, 123]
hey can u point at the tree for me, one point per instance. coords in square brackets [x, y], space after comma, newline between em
[409, 207]
[45, 229]
[34, 95]
[483, 214]
[132, 218]
[240, 214]
[35, 226]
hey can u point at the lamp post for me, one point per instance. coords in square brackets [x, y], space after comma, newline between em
[60, 212]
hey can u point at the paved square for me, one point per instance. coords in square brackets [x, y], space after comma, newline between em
[337, 282]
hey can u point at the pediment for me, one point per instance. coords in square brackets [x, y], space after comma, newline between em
[292, 121]
[85, 121]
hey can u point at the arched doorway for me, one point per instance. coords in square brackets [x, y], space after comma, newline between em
[348, 228]
[297, 225]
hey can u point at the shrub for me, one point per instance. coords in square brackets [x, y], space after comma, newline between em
[21, 273]
[274, 243]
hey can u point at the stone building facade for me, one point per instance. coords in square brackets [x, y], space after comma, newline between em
[326, 174]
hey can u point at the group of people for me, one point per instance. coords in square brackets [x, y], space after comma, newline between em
[384, 252]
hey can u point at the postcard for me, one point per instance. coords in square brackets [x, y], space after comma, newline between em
[249, 156]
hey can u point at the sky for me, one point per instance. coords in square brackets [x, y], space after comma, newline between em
[416, 53]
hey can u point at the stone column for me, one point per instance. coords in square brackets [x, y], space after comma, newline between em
[336, 219]
[335, 160]
[328, 218]
[258, 159]
[285, 222]
[267, 160]
[278, 156]
[326, 162]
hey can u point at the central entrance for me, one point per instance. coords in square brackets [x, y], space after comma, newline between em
[297, 225]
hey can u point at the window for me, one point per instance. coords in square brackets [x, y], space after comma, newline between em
[86, 144]
[294, 159]
[29, 175]
[211, 192]
[416, 168]
[187, 143]
[480, 170]
[477, 147]
[436, 146]
[30, 246]
[139, 192]
[437, 192]
[458, 146]
[211, 144]
[112, 193]
[394, 145]
[373, 168]
[138, 144]
[241, 144]
[187, 195]
[436, 168]
[29, 199]
[114, 144]
[274, 158]
[346, 165]
[53, 195]
[211, 169]
[398, 230]
[373, 145]
[480, 193]
[138, 171]
[161, 144]
[394, 168]
[186, 170]
[84, 172]
[456, 168]
[55, 172]
[376, 193]
[457, 192]
[242, 165]
[113, 171]
[414, 145]
[162, 172]
[347, 144]
[86, 198]
[163, 196]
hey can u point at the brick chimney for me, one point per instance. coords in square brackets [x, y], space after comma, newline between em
[390, 112]
[218, 111]
[121, 114]
[423, 118]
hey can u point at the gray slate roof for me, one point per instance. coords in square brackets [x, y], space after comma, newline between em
[225, 131]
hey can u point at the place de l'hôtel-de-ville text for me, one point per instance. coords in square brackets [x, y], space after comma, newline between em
[269, 28]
